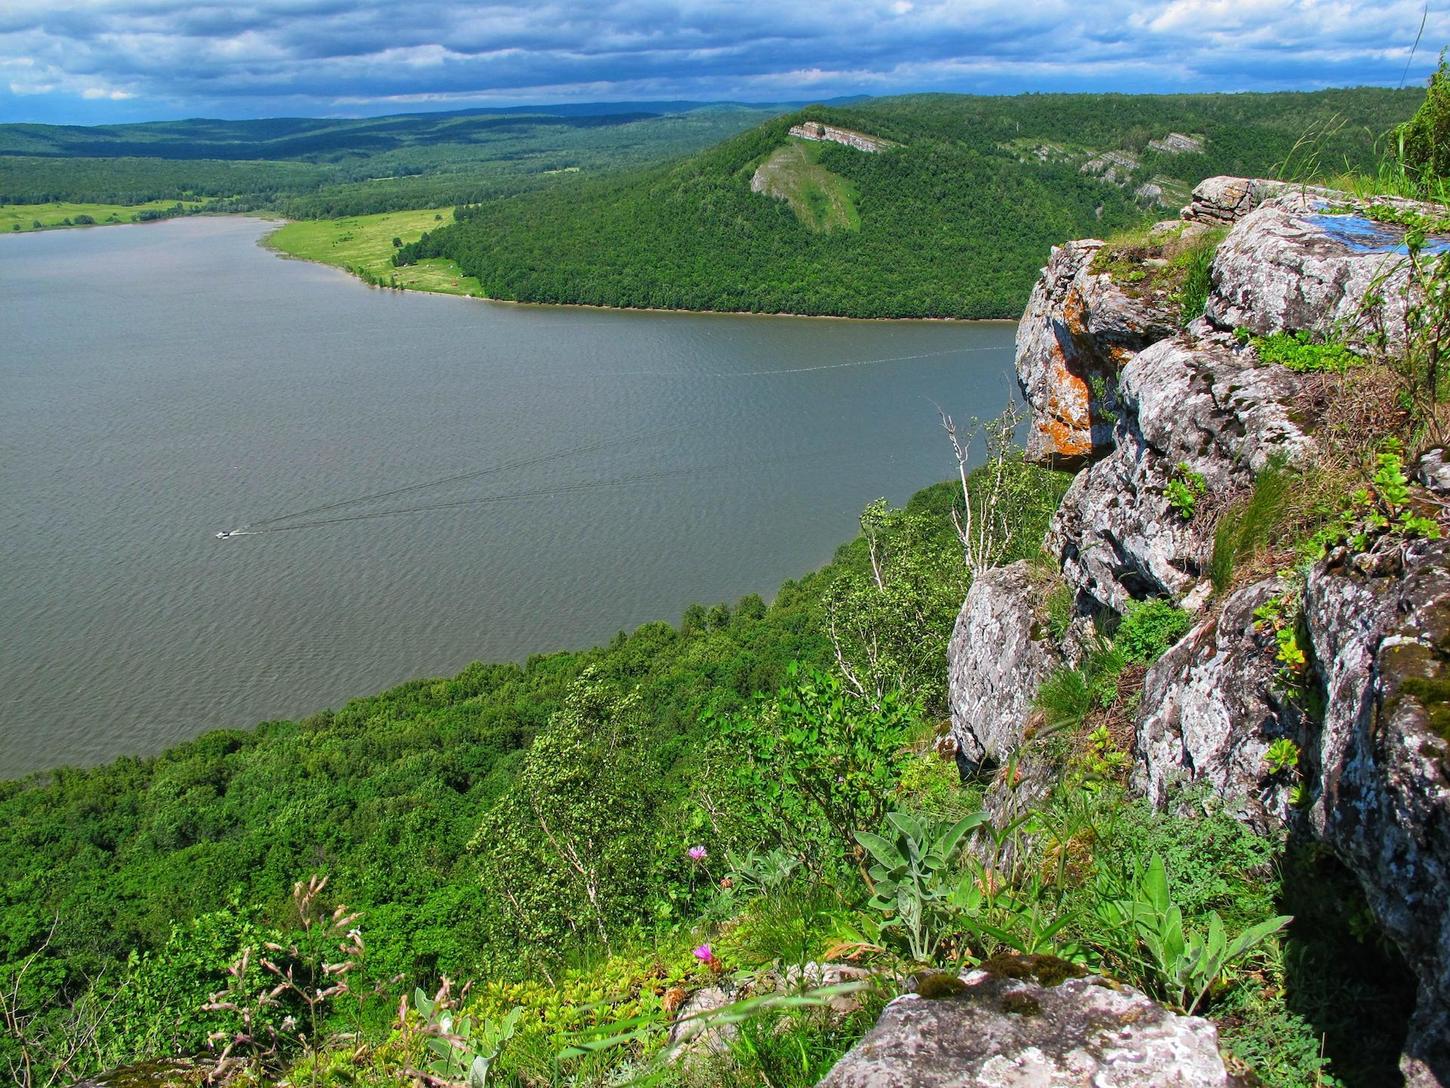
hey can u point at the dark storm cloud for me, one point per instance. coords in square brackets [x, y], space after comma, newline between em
[326, 56]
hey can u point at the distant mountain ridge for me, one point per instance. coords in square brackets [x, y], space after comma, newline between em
[289, 138]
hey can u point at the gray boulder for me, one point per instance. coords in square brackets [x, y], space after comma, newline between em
[1013, 1030]
[1381, 643]
[1211, 707]
[997, 658]
[1297, 263]
[1432, 470]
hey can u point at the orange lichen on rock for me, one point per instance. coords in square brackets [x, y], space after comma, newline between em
[1065, 424]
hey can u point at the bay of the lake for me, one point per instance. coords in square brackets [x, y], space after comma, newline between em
[161, 383]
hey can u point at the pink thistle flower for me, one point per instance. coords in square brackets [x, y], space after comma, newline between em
[705, 954]
[697, 853]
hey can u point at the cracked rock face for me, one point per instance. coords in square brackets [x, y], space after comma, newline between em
[1001, 1031]
[1211, 708]
[1200, 401]
[1078, 331]
[996, 660]
[1381, 643]
[1195, 404]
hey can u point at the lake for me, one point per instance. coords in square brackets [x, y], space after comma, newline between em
[556, 475]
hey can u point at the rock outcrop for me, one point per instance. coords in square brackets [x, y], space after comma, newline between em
[1169, 426]
[1224, 200]
[1292, 265]
[695, 1033]
[1177, 143]
[998, 657]
[815, 130]
[1113, 167]
[1008, 1029]
[1199, 408]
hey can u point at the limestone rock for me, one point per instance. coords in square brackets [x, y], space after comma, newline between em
[157, 1073]
[1381, 643]
[1002, 1031]
[815, 976]
[1201, 401]
[1078, 331]
[692, 1033]
[1211, 707]
[997, 658]
[1113, 167]
[815, 130]
[1148, 193]
[1221, 200]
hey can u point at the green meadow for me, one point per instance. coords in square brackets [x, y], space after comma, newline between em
[16, 218]
[363, 245]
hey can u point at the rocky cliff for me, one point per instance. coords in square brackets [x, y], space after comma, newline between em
[1170, 427]
[816, 130]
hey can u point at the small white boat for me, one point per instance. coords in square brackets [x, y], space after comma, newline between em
[225, 533]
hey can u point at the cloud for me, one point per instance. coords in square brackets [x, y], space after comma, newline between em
[253, 57]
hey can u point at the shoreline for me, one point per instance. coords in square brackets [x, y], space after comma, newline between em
[265, 242]
[277, 223]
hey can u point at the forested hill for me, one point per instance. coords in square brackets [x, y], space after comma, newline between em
[954, 221]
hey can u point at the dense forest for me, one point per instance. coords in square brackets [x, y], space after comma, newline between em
[954, 222]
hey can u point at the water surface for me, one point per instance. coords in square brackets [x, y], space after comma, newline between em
[159, 383]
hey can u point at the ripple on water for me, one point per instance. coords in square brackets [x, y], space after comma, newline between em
[211, 385]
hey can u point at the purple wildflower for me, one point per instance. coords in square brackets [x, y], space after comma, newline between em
[705, 954]
[697, 853]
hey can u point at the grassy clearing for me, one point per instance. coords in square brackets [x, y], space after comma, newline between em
[823, 201]
[1172, 264]
[363, 245]
[20, 218]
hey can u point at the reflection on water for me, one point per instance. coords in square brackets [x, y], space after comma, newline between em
[1362, 235]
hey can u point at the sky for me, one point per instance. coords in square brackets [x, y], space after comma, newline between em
[128, 60]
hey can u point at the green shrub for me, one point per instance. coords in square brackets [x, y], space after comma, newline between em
[1244, 530]
[909, 880]
[808, 767]
[158, 1008]
[1178, 963]
[1195, 264]
[1381, 510]
[1149, 628]
[560, 854]
[1282, 757]
[1302, 352]
[1185, 487]
[1058, 606]
[1066, 699]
